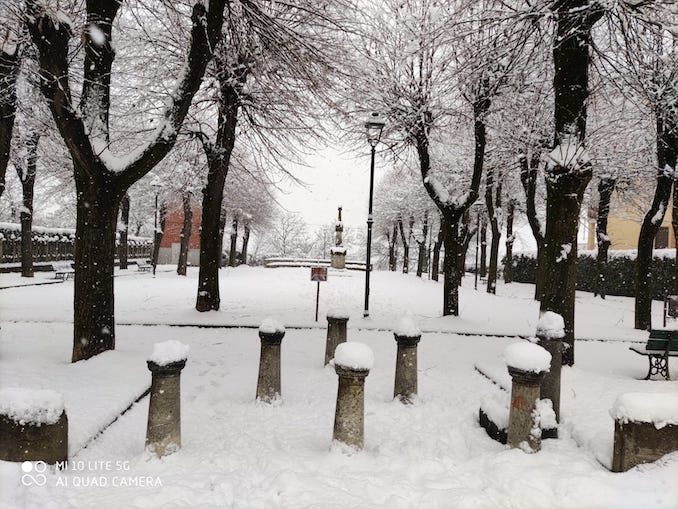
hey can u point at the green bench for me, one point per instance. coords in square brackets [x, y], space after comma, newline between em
[661, 345]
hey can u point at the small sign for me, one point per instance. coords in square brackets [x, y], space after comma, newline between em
[319, 274]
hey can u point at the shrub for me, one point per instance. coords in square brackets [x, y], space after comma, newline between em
[619, 279]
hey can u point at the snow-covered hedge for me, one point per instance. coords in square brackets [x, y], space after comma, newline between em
[621, 272]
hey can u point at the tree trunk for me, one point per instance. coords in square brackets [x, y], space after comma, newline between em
[124, 220]
[436, 252]
[393, 249]
[94, 324]
[483, 248]
[245, 242]
[667, 152]
[492, 199]
[233, 252]
[9, 70]
[465, 235]
[567, 180]
[508, 260]
[27, 187]
[605, 189]
[211, 232]
[528, 178]
[185, 233]
[421, 258]
[451, 273]
[406, 245]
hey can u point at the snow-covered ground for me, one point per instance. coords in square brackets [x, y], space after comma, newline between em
[249, 294]
[238, 453]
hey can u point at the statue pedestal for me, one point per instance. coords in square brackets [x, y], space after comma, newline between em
[338, 257]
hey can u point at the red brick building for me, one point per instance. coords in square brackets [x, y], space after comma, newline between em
[171, 238]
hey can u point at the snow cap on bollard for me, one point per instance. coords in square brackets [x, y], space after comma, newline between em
[271, 326]
[551, 326]
[356, 356]
[337, 313]
[527, 357]
[407, 328]
[169, 352]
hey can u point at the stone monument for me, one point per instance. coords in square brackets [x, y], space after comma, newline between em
[338, 252]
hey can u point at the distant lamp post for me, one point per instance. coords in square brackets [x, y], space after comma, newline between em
[156, 248]
[374, 127]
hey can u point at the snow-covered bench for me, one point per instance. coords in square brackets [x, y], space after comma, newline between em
[63, 270]
[661, 345]
[144, 267]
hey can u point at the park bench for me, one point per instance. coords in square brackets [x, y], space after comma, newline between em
[63, 270]
[661, 345]
[144, 267]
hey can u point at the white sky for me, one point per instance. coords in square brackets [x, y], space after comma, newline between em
[334, 176]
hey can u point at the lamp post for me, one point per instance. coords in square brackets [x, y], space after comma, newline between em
[154, 255]
[373, 126]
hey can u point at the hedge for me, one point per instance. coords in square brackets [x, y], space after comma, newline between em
[620, 277]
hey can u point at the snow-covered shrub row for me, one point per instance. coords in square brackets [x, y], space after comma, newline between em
[619, 277]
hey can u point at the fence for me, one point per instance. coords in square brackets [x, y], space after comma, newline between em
[53, 244]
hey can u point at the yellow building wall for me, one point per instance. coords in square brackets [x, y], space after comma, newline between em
[623, 227]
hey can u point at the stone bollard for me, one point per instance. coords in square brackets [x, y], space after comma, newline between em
[337, 320]
[271, 333]
[527, 363]
[33, 426]
[407, 335]
[352, 363]
[550, 333]
[163, 432]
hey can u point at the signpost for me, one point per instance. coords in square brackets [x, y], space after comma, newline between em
[318, 274]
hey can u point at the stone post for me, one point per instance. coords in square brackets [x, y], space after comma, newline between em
[163, 433]
[524, 394]
[33, 426]
[352, 363]
[550, 333]
[336, 332]
[268, 383]
[550, 384]
[405, 387]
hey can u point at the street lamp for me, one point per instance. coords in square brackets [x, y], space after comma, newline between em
[156, 185]
[373, 126]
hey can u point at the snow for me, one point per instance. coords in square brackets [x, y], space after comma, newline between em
[271, 326]
[338, 312]
[169, 352]
[338, 250]
[527, 356]
[239, 454]
[354, 356]
[658, 408]
[97, 36]
[31, 406]
[407, 327]
[544, 416]
[570, 153]
[496, 407]
[565, 251]
[550, 326]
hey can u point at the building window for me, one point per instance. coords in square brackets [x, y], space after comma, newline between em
[661, 241]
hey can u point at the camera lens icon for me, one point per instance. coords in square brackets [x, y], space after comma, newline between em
[33, 473]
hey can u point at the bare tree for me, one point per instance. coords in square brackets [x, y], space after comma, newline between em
[102, 179]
